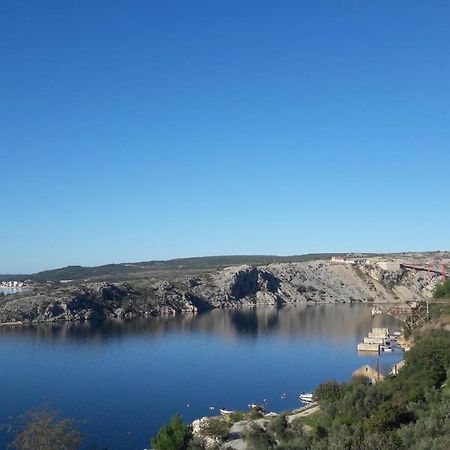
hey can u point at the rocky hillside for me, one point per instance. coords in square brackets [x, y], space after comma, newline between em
[276, 284]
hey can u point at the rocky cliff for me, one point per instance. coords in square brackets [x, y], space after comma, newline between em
[276, 284]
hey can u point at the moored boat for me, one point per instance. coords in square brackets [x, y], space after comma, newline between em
[307, 398]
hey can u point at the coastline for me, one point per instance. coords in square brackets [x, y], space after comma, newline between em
[175, 292]
[238, 428]
[188, 312]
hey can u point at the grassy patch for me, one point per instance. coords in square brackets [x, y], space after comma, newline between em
[312, 420]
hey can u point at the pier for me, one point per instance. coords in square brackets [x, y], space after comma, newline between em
[376, 340]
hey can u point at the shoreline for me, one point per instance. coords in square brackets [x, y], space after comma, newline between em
[190, 312]
[236, 438]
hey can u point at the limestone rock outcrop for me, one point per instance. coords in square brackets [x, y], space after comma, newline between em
[231, 287]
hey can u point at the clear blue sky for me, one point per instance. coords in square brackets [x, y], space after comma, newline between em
[156, 129]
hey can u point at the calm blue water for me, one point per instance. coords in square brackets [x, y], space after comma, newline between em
[131, 377]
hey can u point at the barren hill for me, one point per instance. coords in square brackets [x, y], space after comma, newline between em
[397, 278]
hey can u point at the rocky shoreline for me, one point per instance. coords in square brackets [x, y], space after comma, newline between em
[215, 432]
[277, 284]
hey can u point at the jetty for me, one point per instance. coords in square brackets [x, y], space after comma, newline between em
[375, 340]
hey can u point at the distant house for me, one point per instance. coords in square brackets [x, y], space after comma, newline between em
[369, 372]
[342, 260]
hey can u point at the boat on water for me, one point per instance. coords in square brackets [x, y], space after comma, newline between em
[307, 398]
[225, 412]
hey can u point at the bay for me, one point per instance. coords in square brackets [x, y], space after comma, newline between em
[127, 378]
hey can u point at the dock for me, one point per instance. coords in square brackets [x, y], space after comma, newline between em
[375, 340]
[364, 347]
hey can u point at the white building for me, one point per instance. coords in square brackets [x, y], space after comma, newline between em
[342, 260]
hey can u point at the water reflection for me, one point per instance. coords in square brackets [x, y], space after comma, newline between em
[334, 322]
[134, 375]
[10, 290]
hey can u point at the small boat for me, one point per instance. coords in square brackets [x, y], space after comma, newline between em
[212, 408]
[386, 349]
[224, 412]
[307, 398]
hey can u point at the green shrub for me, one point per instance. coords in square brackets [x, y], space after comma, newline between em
[174, 436]
[278, 428]
[236, 417]
[330, 391]
[442, 290]
[217, 427]
[258, 439]
[256, 414]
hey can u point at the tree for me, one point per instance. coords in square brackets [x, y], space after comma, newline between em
[330, 391]
[174, 436]
[42, 430]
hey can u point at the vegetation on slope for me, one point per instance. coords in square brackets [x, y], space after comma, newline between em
[399, 412]
[442, 290]
[198, 263]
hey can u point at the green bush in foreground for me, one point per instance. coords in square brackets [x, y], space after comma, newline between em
[174, 436]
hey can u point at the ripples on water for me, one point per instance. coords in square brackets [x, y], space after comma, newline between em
[131, 376]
